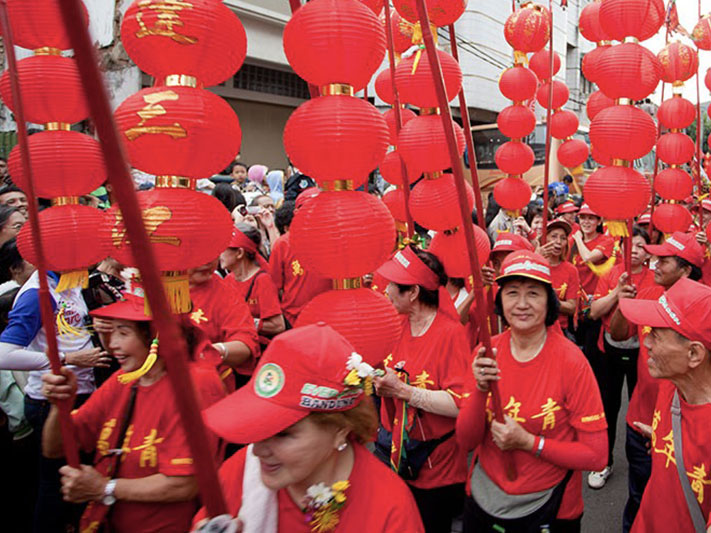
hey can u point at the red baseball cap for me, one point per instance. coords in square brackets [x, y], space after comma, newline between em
[240, 240]
[132, 307]
[560, 223]
[406, 268]
[706, 204]
[585, 210]
[510, 242]
[680, 244]
[304, 370]
[566, 207]
[685, 308]
[644, 218]
[526, 264]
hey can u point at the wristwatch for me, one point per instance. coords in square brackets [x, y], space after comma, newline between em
[109, 499]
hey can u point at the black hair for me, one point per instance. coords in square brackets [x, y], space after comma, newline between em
[239, 164]
[6, 212]
[191, 334]
[226, 194]
[284, 215]
[253, 234]
[428, 297]
[533, 210]
[552, 307]
[10, 259]
[10, 187]
[638, 231]
[694, 272]
[457, 282]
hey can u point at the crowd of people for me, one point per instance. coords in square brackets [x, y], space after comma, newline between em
[310, 437]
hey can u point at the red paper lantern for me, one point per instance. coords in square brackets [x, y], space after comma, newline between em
[390, 118]
[384, 87]
[402, 32]
[52, 90]
[450, 247]
[178, 131]
[540, 63]
[518, 83]
[64, 163]
[514, 157]
[673, 184]
[418, 89]
[528, 29]
[201, 38]
[679, 62]
[669, 218]
[395, 202]
[74, 237]
[590, 62]
[608, 183]
[391, 168]
[516, 121]
[186, 228]
[623, 132]
[512, 193]
[596, 103]
[600, 157]
[631, 18]
[590, 26]
[336, 138]
[675, 148]
[564, 124]
[573, 153]
[423, 145]
[676, 113]
[707, 79]
[433, 201]
[343, 234]
[440, 12]
[364, 317]
[561, 93]
[331, 41]
[375, 5]
[628, 70]
[38, 24]
[701, 35]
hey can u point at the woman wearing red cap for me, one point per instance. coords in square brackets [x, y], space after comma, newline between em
[423, 387]
[554, 423]
[143, 474]
[308, 414]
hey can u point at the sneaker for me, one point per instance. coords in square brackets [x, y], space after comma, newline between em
[596, 480]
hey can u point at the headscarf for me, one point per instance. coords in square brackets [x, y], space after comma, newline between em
[275, 180]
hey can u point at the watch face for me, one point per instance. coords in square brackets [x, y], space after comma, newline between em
[109, 499]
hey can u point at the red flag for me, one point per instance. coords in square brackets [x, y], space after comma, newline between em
[672, 21]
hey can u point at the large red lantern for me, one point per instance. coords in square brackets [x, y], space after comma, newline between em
[512, 193]
[178, 131]
[343, 234]
[52, 90]
[589, 23]
[573, 153]
[402, 32]
[394, 201]
[669, 218]
[596, 103]
[431, 203]
[617, 182]
[676, 113]
[417, 88]
[528, 29]
[516, 121]
[631, 18]
[375, 5]
[449, 248]
[628, 70]
[384, 87]
[364, 317]
[701, 35]
[440, 12]
[518, 83]
[540, 63]
[423, 145]
[514, 157]
[64, 163]
[37, 25]
[391, 168]
[561, 93]
[336, 138]
[405, 114]
[331, 41]
[673, 184]
[590, 62]
[203, 39]
[623, 132]
[564, 124]
[679, 62]
[675, 148]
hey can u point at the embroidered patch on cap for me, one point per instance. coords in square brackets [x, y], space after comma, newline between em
[670, 312]
[676, 244]
[503, 243]
[401, 259]
[269, 381]
[527, 265]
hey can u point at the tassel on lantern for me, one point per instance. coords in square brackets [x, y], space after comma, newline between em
[128, 377]
[603, 268]
[177, 291]
[72, 279]
[617, 228]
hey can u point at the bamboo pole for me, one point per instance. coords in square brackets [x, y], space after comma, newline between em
[549, 111]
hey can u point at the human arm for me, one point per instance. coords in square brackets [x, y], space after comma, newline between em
[272, 326]
[438, 402]
[56, 388]
[465, 307]
[267, 219]
[471, 422]
[619, 327]
[602, 305]
[568, 307]
[585, 253]
[15, 357]
[233, 353]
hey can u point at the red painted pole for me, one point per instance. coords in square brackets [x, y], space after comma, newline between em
[71, 451]
[172, 342]
[398, 119]
[463, 205]
[547, 168]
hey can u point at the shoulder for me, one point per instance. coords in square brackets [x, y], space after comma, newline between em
[566, 352]
[377, 480]
[650, 293]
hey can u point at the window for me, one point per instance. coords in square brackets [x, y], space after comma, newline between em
[271, 81]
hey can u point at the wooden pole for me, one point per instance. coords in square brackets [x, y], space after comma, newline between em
[173, 347]
[71, 450]
[549, 111]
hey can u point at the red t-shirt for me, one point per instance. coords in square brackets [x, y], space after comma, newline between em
[588, 279]
[155, 443]
[290, 276]
[377, 501]
[644, 395]
[663, 506]
[706, 270]
[263, 301]
[437, 360]
[554, 395]
[566, 282]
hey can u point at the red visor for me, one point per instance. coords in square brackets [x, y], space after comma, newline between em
[240, 240]
[130, 308]
[406, 268]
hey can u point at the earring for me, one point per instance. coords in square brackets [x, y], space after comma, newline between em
[342, 446]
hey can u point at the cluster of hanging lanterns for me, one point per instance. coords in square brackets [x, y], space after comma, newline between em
[66, 164]
[180, 132]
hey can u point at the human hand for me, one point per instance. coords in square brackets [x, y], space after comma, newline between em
[547, 250]
[59, 387]
[701, 238]
[485, 370]
[103, 325]
[510, 435]
[644, 429]
[266, 217]
[578, 235]
[223, 523]
[488, 275]
[83, 484]
[626, 290]
[391, 386]
[88, 358]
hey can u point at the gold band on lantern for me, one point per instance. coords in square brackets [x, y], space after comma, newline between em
[180, 80]
[624, 101]
[604, 43]
[175, 182]
[433, 175]
[429, 111]
[339, 185]
[346, 284]
[621, 163]
[57, 126]
[47, 51]
[337, 89]
[630, 39]
[674, 130]
[65, 200]
[677, 90]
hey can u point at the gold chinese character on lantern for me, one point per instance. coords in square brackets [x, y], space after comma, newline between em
[168, 23]
[154, 109]
[153, 217]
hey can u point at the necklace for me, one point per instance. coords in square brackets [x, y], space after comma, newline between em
[535, 353]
